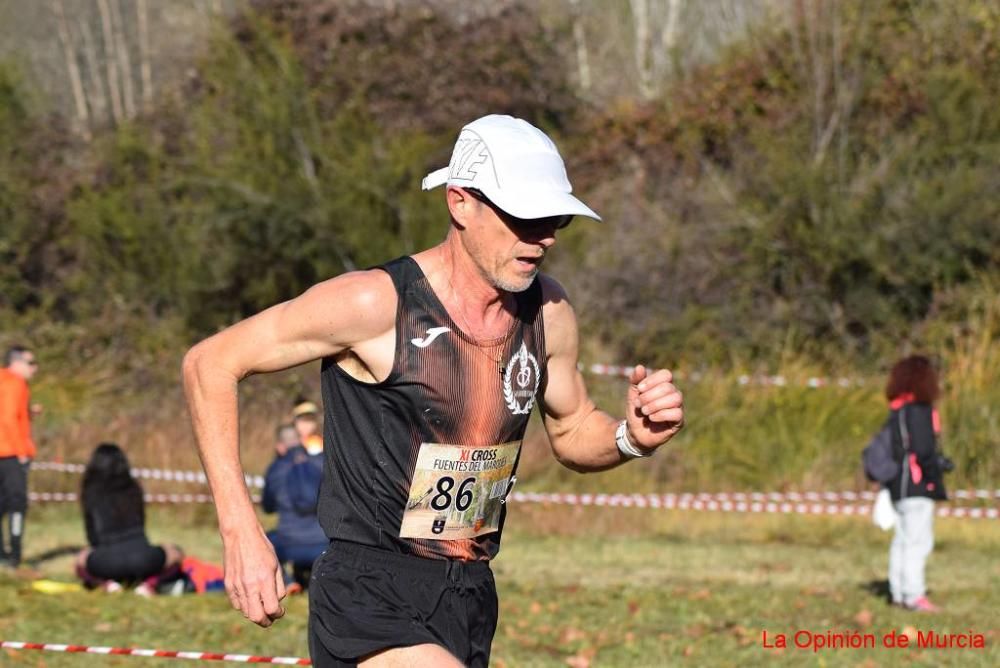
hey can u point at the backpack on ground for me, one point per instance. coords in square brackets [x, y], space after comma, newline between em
[877, 457]
[304, 478]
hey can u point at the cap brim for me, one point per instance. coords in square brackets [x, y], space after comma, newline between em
[541, 204]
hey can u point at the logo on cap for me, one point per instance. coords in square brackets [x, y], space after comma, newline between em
[469, 155]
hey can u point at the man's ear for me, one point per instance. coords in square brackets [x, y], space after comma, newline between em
[460, 205]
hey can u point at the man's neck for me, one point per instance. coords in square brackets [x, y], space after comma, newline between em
[461, 286]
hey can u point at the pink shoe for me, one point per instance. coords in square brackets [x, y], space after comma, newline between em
[923, 605]
[111, 587]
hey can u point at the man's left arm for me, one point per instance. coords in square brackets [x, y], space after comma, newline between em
[583, 437]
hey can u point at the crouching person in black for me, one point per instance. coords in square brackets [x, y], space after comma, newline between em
[114, 516]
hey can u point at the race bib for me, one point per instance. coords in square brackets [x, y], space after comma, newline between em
[458, 491]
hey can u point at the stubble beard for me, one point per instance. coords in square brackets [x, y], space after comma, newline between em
[511, 285]
[520, 286]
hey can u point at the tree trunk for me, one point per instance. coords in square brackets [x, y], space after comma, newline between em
[145, 67]
[110, 62]
[664, 51]
[97, 93]
[640, 19]
[580, 40]
[124, 61]
[72, 69]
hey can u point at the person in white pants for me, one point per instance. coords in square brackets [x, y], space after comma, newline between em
[911, 391]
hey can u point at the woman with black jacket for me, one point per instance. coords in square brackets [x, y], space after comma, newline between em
[912, 390]
[114, 517]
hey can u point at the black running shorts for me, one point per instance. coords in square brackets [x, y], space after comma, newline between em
[362, 600]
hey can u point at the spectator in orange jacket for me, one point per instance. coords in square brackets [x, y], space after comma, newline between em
[16, 447]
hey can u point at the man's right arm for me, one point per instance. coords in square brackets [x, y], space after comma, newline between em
[346, 312]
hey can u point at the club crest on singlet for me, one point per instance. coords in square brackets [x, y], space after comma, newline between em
[520, 382]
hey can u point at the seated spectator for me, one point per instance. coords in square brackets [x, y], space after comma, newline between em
[114, 515]
[291, 488]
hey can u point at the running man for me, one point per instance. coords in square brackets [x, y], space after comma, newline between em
[431, 366]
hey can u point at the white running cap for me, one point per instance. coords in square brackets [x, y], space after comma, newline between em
[515, 165]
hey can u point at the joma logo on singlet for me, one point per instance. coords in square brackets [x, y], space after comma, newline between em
[432, 334]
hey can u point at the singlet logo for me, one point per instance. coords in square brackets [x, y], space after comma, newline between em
[523, 371]
[432, 334]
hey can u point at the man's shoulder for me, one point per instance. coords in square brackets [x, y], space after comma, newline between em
[11, 381]
[365, 300]
[365, 288]
[555, 299]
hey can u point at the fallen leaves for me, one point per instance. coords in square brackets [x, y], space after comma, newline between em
[582, 659]
[864, 618]
[700, 595]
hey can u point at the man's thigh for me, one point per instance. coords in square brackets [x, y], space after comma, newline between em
[417, 655]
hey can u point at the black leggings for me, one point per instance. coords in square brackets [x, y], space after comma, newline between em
[13, 505]
[129, 561]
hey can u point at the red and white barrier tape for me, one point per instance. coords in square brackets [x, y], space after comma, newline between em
[258, 481]
[146, 473]
[813, 382]
[71, 497]
[692, 502]
[161, 653]
[751, 503]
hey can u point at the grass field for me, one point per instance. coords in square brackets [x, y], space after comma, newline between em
[578, 587]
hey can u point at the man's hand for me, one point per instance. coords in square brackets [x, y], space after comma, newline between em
[655, 408]
[254, 581]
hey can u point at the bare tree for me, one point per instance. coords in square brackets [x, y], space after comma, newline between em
[111, 62]
[124, 61]
[72, 69]
[640, 17]
[662, 56]
[96, 91]
[145, 65]
[654, 47]
[580, 41]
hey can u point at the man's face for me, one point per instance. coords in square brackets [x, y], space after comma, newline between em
[508, 251]
[24, 365]
[288, 438]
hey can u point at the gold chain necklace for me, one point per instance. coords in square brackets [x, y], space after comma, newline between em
[468, 330]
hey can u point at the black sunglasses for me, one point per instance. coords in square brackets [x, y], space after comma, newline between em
[525, 225]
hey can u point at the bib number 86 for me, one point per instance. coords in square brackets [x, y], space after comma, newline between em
[442, 500]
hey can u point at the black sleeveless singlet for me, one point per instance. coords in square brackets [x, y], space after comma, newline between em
[415, 453]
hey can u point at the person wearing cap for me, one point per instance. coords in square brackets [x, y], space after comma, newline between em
[305, 418]
[431, 365]
[17, 448]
